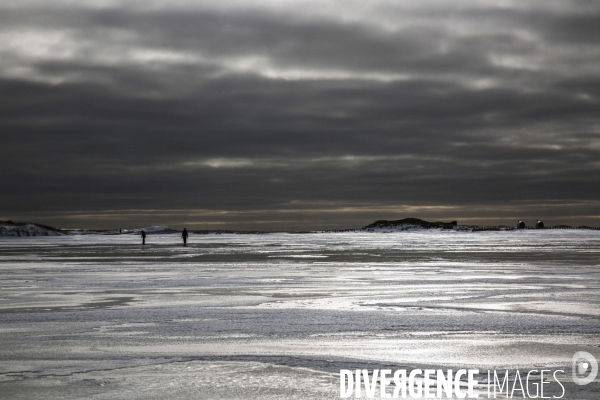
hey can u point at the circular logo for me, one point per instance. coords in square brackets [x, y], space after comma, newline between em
[584, 363]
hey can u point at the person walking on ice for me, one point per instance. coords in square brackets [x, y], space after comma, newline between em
[184, 235]
[143, 237]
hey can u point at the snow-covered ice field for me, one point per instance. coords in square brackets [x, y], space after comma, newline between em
[276, 316]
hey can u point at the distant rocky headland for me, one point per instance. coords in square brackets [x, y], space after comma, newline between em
[408, 224]
[416, 223]
[10, 228]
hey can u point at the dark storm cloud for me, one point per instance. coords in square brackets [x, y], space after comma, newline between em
[298, 116]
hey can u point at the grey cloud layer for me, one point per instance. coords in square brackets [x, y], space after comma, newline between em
[192, 106]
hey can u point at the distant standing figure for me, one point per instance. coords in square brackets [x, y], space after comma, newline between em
[184, 235]
[143, 237]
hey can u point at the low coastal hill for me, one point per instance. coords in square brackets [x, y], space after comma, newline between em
[10, 228]
[407, 224]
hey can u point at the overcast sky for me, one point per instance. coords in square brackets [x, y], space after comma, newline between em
[299, 114]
